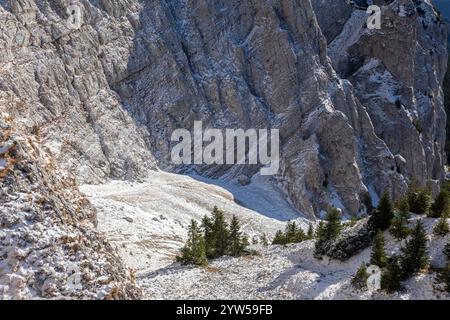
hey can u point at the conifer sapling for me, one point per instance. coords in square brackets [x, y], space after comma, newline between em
[359, 281]
[378, 256]
[194, 250]
[441, 205]
[441, 228]
[381, 218]
[392, 275]
[415, 252]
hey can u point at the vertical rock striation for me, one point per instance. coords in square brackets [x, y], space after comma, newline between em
[397, 73]
[359, 112]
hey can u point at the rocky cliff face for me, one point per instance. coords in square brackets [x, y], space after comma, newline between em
[57, 82]
[397, 73]
[107, 96]
[48, 245]
[104, 97]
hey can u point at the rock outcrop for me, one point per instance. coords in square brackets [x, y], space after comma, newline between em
[349, 243]
[397, 73]
[107, 96]
[57, 83]
[48, 244]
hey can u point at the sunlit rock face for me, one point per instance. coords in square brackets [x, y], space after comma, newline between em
[397, 73]
[48, 242]
[106, 97]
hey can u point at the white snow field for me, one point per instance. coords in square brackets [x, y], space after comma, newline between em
[147, 222]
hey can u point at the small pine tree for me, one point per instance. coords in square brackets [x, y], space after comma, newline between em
[412, 194]
[320, 231]
[300, 236]
[264, 240]
[220, 233]
[279, 239]
[445, 273]
[399, 227]
[328, 231]
[403, 208]
[359, 281]
[441, 228]
[245, 243]
[419, 200]
[194, 250]
[382, 217]
[378, 256]
[310, 234]
[208, 233]
[333, 226]
[236, 245]
[291, 232]
[415, 251]
[441, 205]
[423, 202]
[391, 275]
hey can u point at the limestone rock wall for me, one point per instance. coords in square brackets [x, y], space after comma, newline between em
[397, 73]
[106, 97]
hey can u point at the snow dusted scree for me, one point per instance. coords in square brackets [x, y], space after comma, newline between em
[190, 150]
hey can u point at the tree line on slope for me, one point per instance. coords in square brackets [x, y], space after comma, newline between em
[413, 255]
[326, 231]
[418, 201]
[413, 258]
[214, 238]
[293, 234]
[399, 267]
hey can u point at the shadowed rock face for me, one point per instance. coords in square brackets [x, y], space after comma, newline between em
[106, 98]
[332, 16]
[397, 73]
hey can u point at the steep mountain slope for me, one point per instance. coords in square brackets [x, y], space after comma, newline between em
[444, 10]
[149, 241]
[279, 273]
[135, 71]
[147, 223]
[397, 73]
[99, 101]
[49, 247]
[56, 84]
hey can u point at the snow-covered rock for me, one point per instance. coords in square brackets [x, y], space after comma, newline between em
[49, 247]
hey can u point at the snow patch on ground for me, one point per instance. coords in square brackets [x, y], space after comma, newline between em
[277, 272]
[148, 221]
